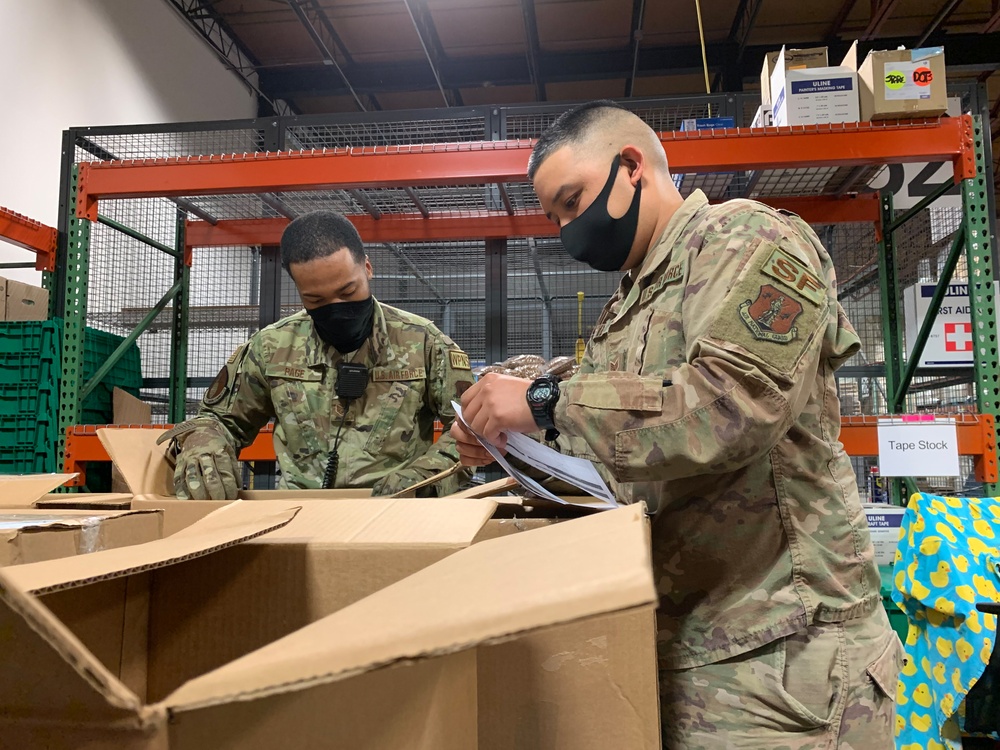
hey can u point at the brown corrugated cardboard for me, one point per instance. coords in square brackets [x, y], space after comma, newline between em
[23, 490]
[31, 535]
[145, 470]
[795, 59]
[388, 671]
[127, 409]
[21, 301]
[330, 556]
[898, 84]
[86, 500]
[605, 666]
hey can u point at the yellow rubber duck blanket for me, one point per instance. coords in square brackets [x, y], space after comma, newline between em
[948, 559]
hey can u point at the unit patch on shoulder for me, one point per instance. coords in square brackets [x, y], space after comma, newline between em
[771, 317]
[459, 360]
[791, 273]
[768, 317]
[219, 388]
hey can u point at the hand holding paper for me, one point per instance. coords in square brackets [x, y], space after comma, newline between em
[575, 471]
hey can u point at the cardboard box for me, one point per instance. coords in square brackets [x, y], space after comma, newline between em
[815, 95]
[20, 301]
[143, 466]
[884, 522]
[29, 534]
[898, 84]
[85, 501]
[763, 117]
[794, 59]
[408, 666]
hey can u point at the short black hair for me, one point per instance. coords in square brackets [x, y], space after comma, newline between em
[319, 234]
[569, 127]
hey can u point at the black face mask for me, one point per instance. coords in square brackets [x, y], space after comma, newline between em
[597, 239]
[344, 325]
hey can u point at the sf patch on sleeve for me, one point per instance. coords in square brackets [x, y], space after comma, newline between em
[774, 310]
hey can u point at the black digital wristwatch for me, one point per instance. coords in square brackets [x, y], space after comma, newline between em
[542, 396]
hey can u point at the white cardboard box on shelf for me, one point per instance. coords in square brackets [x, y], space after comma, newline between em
[794, 59]
[815, 96]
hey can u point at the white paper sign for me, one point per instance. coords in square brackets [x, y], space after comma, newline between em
[918, 449]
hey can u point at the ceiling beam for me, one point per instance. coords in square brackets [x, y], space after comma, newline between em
[214, 30]
[327, 26]
[532, 47]
[324, 50]
[320, 80]
[942, 16]
[427, 34]
[993, 25]
[838, 23]
[638, 11]
[881, 10]
[739, 35]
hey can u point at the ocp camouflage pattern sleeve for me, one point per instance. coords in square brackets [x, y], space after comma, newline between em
[239, 399]
[449, 375]
[754, 312]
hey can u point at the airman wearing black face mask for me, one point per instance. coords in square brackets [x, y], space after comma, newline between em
[354, 386]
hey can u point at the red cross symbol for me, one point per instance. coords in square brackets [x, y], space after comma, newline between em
[958, 337]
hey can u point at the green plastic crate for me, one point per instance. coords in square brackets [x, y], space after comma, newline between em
[29, 389]
[98, 346]
[897, 617]
[26, 461]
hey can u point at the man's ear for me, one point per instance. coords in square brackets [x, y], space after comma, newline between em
[368, 268]
[635, 160]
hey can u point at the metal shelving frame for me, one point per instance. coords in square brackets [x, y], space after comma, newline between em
[459, 174]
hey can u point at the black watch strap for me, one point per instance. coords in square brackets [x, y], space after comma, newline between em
[542, 396]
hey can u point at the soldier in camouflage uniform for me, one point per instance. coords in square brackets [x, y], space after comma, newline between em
[708, 392]
[289, 371]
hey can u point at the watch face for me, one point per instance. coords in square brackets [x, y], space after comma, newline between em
[541, 392]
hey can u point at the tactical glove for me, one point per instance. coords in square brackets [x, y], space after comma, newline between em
[205, 463]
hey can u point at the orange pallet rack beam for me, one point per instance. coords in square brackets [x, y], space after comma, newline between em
[976, 438]
[488, 225]
[845, 144]
[83, 445]
[31, 235]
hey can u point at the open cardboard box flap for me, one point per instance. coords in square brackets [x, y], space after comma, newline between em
[230, 525]
[142, 463]
[376, 521]
[23, 491]
[486, 593]
[46, 667]
[144, 466]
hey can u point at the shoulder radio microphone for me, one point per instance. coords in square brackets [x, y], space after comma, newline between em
[352, 381]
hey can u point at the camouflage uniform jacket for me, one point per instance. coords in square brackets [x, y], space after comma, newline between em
[708, 392]
[287, 372]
